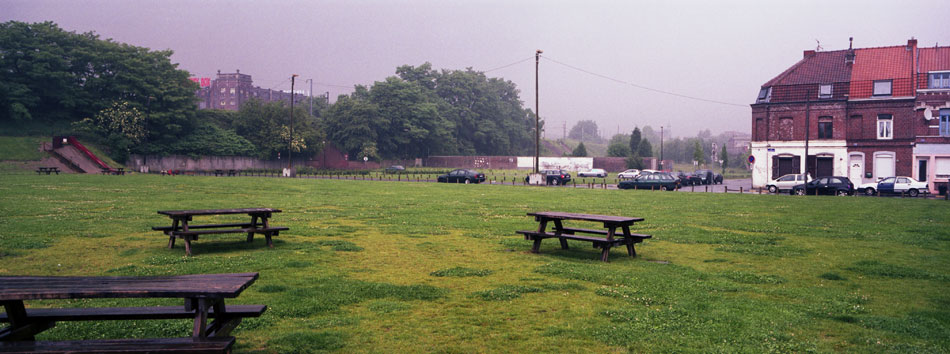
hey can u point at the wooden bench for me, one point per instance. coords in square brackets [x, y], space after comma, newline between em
[204, 297]
[611, 223]
[148, 345]
[47, 170]
[181, 229]
[131, 313]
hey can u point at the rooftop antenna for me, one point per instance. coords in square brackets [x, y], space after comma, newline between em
[818, 48]
[850, 42]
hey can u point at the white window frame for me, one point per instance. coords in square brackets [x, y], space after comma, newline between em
[885, 127]
[939, 80]
[822, 89]
[890, 88]
[944, 122]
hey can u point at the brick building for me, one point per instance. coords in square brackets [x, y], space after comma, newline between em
[229, 91]
[870, 113]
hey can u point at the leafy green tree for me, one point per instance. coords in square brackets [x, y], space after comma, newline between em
[698, 154]
[645, 149]
[267, 126]
[585, 130]
[50, 75]
[422, 112]
[618, 149]
[580, 151]
[724, 156]
[634, 161]
[635, 140]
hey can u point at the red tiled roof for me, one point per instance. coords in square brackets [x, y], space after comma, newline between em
[934, 59]
[820, 68]
[882, 63]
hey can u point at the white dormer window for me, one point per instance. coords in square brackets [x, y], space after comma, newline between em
[940, 80]
[765, 94]
[824, 91]
[882, 88]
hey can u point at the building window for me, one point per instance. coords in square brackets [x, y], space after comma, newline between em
[223, 89]
[824, 91]
[232, 90]
[945, 122]
[825, 128]
[882, 88]
[885, 126]
[765, 94]
[939, 80]
[222, 103]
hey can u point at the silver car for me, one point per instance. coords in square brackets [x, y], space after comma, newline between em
[787, 182]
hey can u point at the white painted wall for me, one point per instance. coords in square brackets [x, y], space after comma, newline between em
[557, 163]
[762, 167]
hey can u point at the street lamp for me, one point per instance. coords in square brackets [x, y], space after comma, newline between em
[148, 112]
[537, 115]
[290, 150]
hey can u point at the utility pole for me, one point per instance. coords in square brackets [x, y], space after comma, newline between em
[290, 150]
[311, 96]
[661, 147]
[564, 135]
[537, 115]
[328, 99]
[807, 129]
[148, 112]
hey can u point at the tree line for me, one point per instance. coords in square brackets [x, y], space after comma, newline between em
[135, 100]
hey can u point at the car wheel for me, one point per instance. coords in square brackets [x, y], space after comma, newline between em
[467, 181]
[800, 191]
[913, 193]
[869, 191]
[773, 189]
[842, 193]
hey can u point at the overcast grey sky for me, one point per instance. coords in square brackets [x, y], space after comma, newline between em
[715, 50]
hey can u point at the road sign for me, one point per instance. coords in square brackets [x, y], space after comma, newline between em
[751, 159]
[771, 150]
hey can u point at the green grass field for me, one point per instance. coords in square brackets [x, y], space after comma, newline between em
[373, 266]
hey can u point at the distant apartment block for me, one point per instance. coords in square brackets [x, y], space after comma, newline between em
[229, 91]
[864, 113]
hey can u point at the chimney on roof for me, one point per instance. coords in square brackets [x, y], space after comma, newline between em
[238, 70]
[911, 43]
[809, 53]
[849, 56]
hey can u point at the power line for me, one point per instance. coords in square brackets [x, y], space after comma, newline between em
[644, 87]
[505, 66]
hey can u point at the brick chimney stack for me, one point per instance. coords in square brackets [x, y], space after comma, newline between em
[849, 57]
[911, 43]
[809, 53]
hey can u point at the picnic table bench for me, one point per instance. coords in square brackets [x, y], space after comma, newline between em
[223, 172]
[117, 171]
[203, 296]
[47, 170]
[180, 227]
[610, 224]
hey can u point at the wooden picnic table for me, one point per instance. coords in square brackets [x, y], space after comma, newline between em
[181, 227]
[47, 170]
[203, 296]
[610, 224]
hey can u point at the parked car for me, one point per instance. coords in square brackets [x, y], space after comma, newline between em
[708, 176]
[895, 185]
[682, 177]
[832, 185]
[631, 173]
[787, 182]
[645, 171]
[594, 172]
[660, 180]
[555, 177]
[395, 169]
[462, 176]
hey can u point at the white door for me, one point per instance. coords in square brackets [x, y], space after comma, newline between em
[856, 169]
[883, 166]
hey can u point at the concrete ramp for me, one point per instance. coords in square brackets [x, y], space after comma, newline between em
[76, 159]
